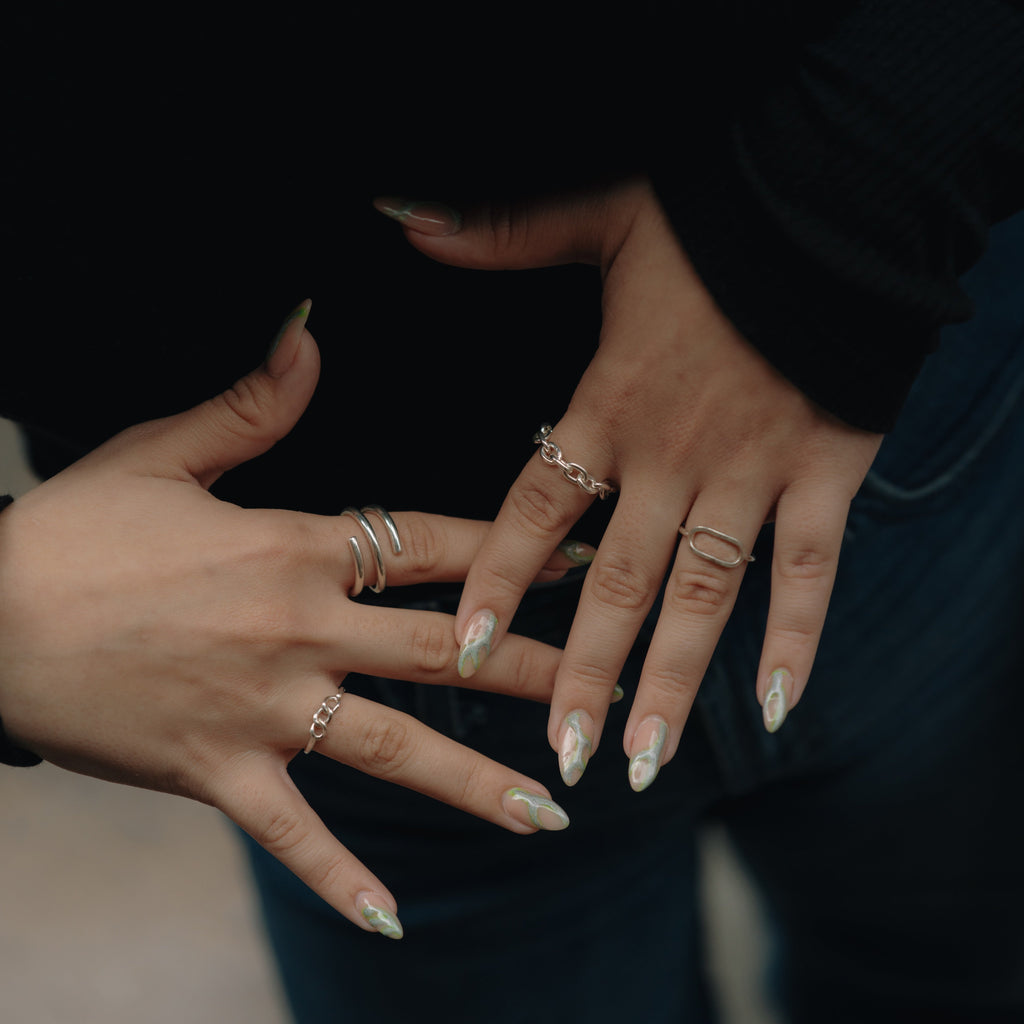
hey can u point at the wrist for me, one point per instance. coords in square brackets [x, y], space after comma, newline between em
[9, 753]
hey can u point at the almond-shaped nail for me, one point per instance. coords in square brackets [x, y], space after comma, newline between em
[477, 645]
[648, 744]
[427, 218]
[776, 700]
[534, 809]
[378, 916]
[575, 746]
[279, 358]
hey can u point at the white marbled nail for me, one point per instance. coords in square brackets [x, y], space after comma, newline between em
[379, 917]
[540, 811]
[574, 752]
[776, 700]
[648, 745]
[477, 645]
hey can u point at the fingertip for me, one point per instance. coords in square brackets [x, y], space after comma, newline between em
[779, 698]
[288, 340]
[478, 641]
[380, 914]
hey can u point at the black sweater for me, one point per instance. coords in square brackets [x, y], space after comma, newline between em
[170, 199]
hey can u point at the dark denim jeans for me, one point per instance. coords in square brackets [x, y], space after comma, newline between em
[882, 823]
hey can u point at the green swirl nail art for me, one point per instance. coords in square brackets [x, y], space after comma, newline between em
[383, 920]
[542, 811]
[575, 751]
[644, 765]
[477, 645]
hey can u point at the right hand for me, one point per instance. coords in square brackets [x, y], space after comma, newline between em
[156, 636]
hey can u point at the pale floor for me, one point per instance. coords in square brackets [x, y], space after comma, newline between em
[119, 906]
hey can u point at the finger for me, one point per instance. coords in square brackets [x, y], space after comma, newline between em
[699, 596]
[618, 592]
[808, 536]
[504, 236]
[390, 745]
[238, 424]
[260, 798]
[535, 515]
[432, 549]
[420, 646]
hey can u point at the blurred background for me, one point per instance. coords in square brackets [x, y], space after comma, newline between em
[120, 906]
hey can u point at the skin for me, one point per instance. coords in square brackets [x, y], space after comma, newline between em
[695, 426]
[156, 636]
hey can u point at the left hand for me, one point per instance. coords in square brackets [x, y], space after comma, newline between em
[696, 428]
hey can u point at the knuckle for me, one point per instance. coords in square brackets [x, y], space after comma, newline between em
[618, 585]
[246, 404]
[593, 677]
[796, 633]
[384, 748]
[695, 592]
[670, 681]
[535, 510]
[432, 648]
[283, 833]
[806, 564]
[423, 550]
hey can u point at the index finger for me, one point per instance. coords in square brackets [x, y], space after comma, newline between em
[550, 494]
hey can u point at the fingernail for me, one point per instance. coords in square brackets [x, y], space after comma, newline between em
[648, 743]
[617, 694]
[574, 750]
[379, 917]
[533, 809]
[427, 218]
[577, 552]
[477, 645]
[776, 700]
[280, 359]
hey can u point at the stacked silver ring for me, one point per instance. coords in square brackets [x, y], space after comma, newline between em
[378, 555]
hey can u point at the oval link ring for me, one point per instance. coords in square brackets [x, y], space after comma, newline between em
[691, 535]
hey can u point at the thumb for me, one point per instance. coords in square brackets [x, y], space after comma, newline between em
[570, 228]
[251, 416]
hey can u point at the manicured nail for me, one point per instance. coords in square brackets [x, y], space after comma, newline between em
[647, 747]
[284, 357]
[533, 809]
[379, 917]
[477, 645]
[776, 700]
[577, 552]
[574, 750]
[427, 218]
[617, 694]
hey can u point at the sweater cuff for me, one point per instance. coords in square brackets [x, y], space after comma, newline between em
[9, 753]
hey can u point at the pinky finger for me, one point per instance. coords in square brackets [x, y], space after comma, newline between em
[266, 804]
[808, 536]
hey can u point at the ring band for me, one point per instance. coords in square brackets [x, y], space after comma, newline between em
[371, 536]
[322, 718]
[691, 535]
[572, 471]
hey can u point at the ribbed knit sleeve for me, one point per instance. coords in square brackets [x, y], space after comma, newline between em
[849, 183]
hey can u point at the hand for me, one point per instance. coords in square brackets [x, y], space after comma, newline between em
[156, 636]
[696, 428]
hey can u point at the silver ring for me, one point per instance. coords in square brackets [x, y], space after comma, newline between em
[741, 555]
[371, 536]
[572, 471]
[322, 718]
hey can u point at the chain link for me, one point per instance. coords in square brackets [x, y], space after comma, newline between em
[572, 471]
